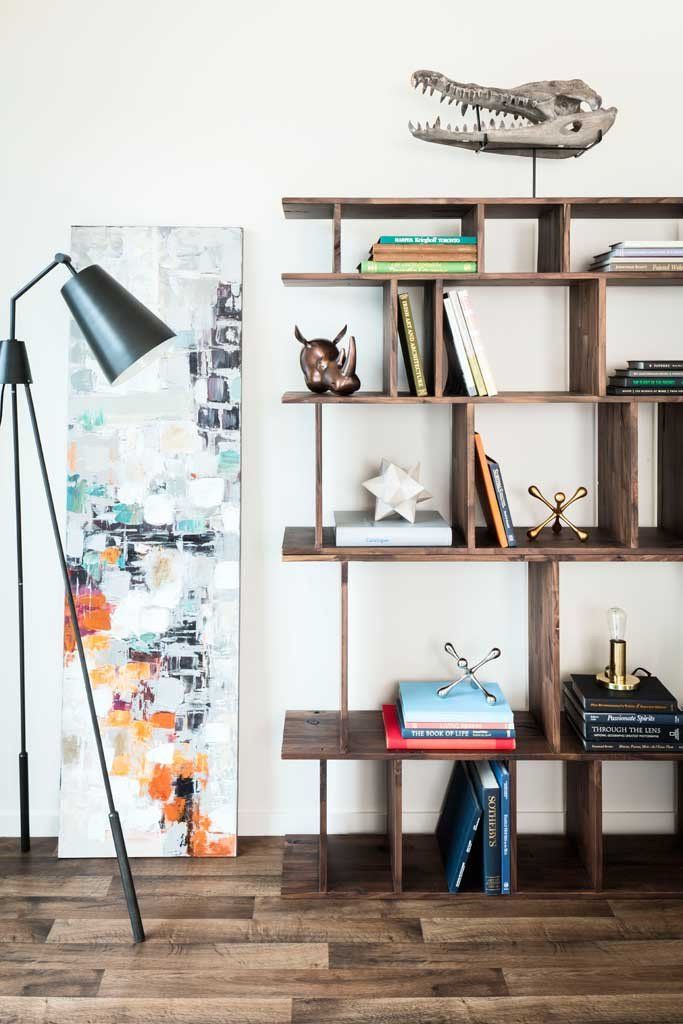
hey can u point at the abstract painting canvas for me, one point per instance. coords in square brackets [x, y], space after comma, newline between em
[153, 545]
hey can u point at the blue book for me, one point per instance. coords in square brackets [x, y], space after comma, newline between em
[503, 503]
[502, 774]
[428, 240]
[450, 734]
[458, 823]
[465, 703]
[488, 794]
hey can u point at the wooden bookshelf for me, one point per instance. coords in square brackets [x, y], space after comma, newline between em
[582, 860]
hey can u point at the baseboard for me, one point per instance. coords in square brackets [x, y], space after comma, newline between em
[265, 823]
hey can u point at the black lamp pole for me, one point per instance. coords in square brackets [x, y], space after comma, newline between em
[121, 333]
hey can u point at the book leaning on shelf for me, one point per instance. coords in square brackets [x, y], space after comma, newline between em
[492, 496]
[469, 371]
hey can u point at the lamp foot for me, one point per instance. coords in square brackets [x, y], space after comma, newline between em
[23, 803]
[126, 878]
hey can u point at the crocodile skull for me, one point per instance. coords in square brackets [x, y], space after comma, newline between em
[555, 118]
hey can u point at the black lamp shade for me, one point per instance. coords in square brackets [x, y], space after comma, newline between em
[118, 328]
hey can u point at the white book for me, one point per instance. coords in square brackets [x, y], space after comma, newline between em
[635, 259]
[459, 346]
[630, 244]
[473, 328]
[469, 347]
[361, 530]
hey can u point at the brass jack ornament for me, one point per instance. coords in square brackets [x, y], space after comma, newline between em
[557, 513]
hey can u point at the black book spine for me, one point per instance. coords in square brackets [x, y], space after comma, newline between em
[503, 505]
[614, 703]
[656, 364]
[611, 390]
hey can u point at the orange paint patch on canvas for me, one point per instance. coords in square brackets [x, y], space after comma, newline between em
[142, 731]
[103, 675]
[135, 671]
[161, 783]
[96, 642]
[71, 456]
[201, 842]
[201, 764]
[163, 720]
[119, 717]
[183, 766]
[96, 618]
[111, 555]
[120, 765]
[173, 811]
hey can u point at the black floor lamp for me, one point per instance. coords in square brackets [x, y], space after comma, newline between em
[123, 334]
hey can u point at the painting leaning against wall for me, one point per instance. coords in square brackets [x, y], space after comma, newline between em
[153, 545]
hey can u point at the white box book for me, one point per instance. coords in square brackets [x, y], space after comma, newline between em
[359, 529]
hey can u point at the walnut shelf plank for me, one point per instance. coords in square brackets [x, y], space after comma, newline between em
[384, 208]
[502, 398]
[354, 279]
[315, 736]
[655, 545]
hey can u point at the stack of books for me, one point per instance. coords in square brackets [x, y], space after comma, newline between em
[421, 720]
[492, 496]
[648, 377]
[646, 720]
[422, 254]
[469, 372]
[640, 257]
[473, 831]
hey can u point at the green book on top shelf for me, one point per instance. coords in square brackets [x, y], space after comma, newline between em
[421, 267]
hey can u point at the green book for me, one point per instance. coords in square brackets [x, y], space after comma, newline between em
[409, 347]
[399, 267]
[428, 240]
[645, 382]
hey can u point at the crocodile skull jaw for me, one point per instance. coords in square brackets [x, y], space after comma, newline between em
[556, 117]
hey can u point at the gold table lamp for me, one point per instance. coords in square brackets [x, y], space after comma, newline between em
[615, 676]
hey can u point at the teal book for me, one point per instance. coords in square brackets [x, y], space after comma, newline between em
[464, 703]
[417, 267]
[457, 826]
[427, 240]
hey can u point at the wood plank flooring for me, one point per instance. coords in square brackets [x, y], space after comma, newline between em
[223, 945]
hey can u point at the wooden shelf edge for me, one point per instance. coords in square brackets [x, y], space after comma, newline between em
[502, 398]
[355, 207]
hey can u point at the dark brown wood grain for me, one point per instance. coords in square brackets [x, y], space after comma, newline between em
[344, 660]
[553, 240]
[502, 398]
[521, 279]
[618, 472]
[390, 338]
[462, 474]
[395, 822]
[670, 471]
[587, 336]
[322, 838]
[584, 814]
[336, 239]
[544, 648]
[374, 208]
[474, 223]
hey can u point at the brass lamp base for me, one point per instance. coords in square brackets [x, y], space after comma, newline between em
[617, 682]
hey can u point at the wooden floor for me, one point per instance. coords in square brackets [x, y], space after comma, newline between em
[224, 946]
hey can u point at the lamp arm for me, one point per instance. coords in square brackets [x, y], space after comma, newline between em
[60, 257]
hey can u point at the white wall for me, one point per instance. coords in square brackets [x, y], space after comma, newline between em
[209, 112]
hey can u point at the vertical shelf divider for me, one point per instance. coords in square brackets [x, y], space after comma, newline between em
[462, 473]
[322, 835]
[390, 338]
[474, 223]
[583, 781]
[336, 238]
[544, 648]
[439, 352]
[344, 674]
[670, 468]
[618, 471]
[553, 240]
[318, 475]
[587, 337]
[395, 821]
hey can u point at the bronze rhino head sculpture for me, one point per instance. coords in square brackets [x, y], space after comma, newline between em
[326, 367]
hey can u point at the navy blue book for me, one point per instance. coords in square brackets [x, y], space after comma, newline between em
[620, 743]
[488, 793]
[621, 729]
[457, 825]
[503, 778]
[449, 734]
[502, 499]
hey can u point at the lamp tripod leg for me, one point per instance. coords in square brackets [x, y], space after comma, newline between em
[23, 754]
[117, 832]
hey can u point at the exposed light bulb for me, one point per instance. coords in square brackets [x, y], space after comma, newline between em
[616, 623]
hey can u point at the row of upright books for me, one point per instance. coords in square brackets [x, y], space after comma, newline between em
[640, 257]
[646, 720]
[648, 377]
[422, 254]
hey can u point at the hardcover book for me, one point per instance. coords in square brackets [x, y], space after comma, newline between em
[417, 267]
[651, 695]
[395, 741]
[460, 378]
[488, 841]
[656, 364]
[644, 391]
[501, 496]
[451, 299]
[424, 253]
[450, 733]
[487, 494]
[669, 267]
[458, 822]
[409, 346]
[502, 774]
[427, 240]
[361, 530]
[465, 703]
[473, 330]
[649, 369]
[624, 717]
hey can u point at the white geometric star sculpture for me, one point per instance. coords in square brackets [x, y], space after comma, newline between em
[397, 490]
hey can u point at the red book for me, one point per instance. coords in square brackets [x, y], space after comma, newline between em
[396, 742]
